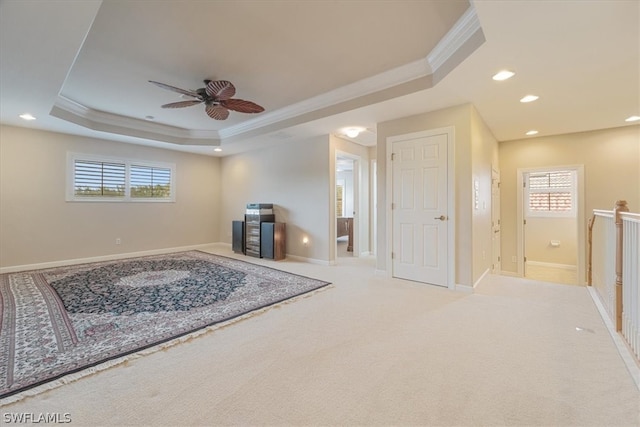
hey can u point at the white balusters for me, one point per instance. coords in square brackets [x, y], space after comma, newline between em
[631, 281]
[615, 268]
[604, 257]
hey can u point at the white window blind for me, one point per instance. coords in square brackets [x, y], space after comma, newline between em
[150, 182]
[99, 179]
[339, 200]
[552, 193]
[92, 178]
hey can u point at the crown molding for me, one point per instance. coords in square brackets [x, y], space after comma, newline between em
[69, 110]
[466, 26]
[72, 111]
[369, 85]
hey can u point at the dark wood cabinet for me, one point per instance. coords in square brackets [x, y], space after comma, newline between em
[273, 240]
[237, 237]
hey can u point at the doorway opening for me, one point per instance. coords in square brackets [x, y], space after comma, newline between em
[345, 206]
[551, 218]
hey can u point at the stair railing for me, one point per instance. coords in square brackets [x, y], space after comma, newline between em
[615, 272]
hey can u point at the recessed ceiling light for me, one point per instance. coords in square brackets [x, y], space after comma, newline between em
[26, 116]
[503, 75]
[529, 98]
[632, 119]
[217, 149]
[532, 132]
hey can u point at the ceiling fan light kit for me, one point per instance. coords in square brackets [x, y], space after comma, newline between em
[216, 97]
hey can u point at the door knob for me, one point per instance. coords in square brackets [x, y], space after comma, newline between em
[441, 217]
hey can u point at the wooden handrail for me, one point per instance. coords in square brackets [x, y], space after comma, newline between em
[619, 286]
[621, 206]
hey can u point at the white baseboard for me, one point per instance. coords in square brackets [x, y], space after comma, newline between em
[509, 273]
[625, 353]
[471, 289]
[552, 265]
[289, 257]
[482, 276]
[464, 288]
[309, 260]
[111, 257]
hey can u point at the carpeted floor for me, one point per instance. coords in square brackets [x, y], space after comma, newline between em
[552, 274]
[376, 351]
[60, 321]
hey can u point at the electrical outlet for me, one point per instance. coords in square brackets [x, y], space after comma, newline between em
[118, 241]
[514, 259]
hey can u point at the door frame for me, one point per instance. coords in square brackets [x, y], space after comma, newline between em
[357, 190]
[580, 216]
[495, 209]
[451, 212]
[373, 208]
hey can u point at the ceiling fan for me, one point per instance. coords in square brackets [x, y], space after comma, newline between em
[216, 96]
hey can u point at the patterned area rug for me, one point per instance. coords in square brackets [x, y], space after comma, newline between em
[64, 320]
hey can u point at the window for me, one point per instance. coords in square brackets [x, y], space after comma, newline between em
[98, 179]
[93, 178]
[150, 182]
[551, 193]
[339, 200]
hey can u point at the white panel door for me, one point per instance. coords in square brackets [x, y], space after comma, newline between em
[419, 210]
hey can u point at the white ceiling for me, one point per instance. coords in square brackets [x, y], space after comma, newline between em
[316, 66]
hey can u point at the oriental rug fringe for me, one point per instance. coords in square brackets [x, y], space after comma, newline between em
[59, 324]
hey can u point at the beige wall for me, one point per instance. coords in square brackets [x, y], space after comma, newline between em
[37, 225]
[476, 153]
[484, 148]
[459, 117]
[541, 231]
[373, 188]
[294, 176]
[362, 209]
[611, 160]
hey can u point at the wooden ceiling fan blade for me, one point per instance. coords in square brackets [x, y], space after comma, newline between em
[242, 106]
[217, 112]
[220, 89]
[176, 89]
[181, 104]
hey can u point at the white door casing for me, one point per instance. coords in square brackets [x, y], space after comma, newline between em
[355, 212]
[580, 206]
[420, 210]
[496, 260]
[374, 206]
